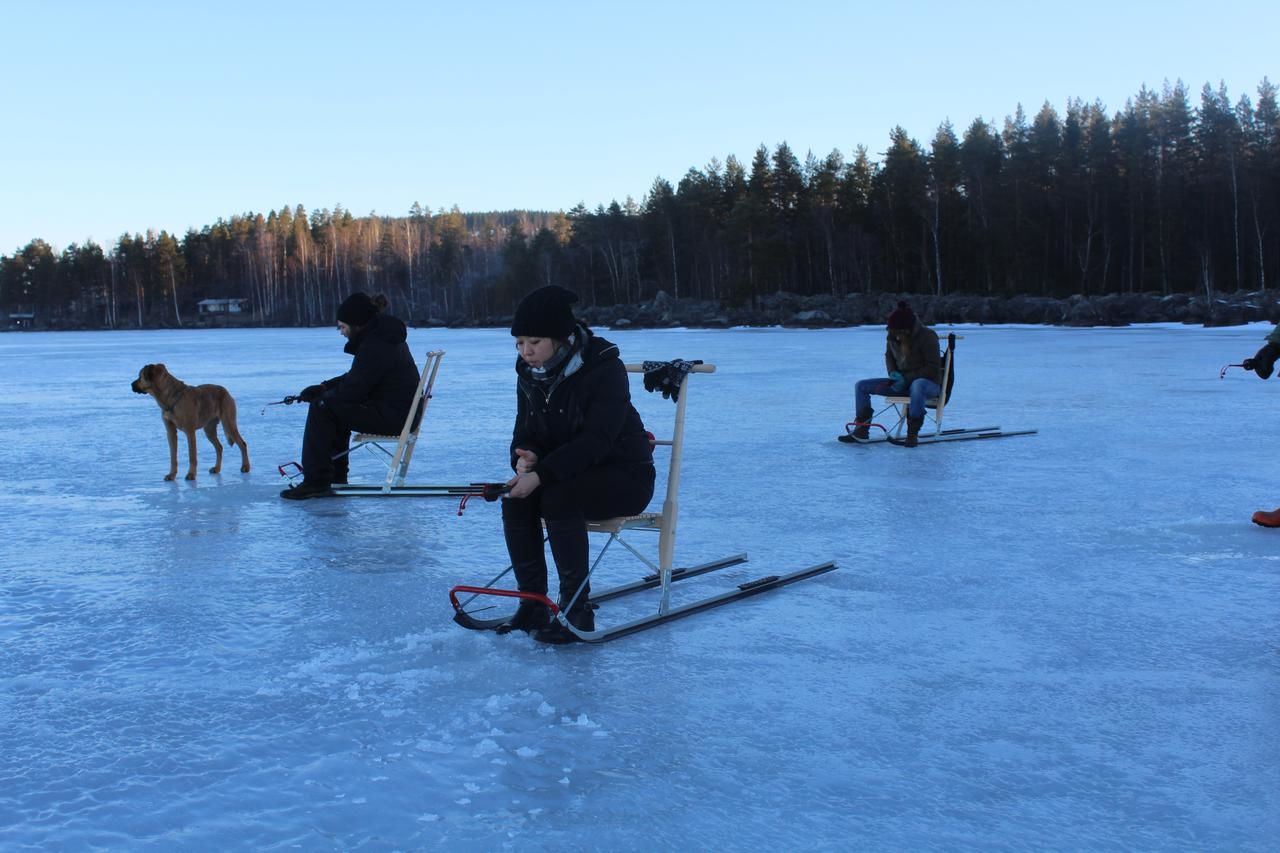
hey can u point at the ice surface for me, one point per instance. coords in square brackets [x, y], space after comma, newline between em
[1066, 640]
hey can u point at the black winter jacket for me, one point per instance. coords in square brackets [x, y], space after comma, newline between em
[586, 419]
[383, 374]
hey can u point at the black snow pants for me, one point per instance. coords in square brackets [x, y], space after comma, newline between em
[595, 494]
[328, 433]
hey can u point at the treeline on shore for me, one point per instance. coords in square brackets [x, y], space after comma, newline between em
[1162, 197]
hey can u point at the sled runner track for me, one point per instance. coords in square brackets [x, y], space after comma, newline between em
[467, 620]
[964, 435]
[604, 635]
[743, 591]
[939, 438]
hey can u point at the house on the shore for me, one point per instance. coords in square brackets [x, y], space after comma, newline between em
[222, 307]
[19, 319]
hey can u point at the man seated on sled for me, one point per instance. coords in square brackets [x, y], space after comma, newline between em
[1263, 363]
[579, 451]
[373, 396]
[915, 369]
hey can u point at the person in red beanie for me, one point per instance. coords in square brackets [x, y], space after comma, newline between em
[914, 366]
[579, 452]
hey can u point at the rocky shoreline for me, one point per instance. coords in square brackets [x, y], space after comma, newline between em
[872, 309]
[785, 309]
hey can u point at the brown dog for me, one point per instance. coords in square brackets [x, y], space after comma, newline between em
[189, 408]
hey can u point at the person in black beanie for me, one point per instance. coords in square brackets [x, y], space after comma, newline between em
[375, 395]
[579, 451]
[914, 365]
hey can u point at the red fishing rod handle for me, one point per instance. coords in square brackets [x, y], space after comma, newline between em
[489, 491]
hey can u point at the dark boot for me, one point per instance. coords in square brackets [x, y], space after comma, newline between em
[913, 431]
[582, 617]
[307, 489]
[529, 616]
[572, 552]
[862, 430]
[529, 562]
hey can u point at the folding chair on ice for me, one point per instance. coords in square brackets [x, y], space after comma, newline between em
[396, 451]
[896, 406]
[618, 530]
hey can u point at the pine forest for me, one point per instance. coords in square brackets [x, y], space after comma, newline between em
[1171, 194]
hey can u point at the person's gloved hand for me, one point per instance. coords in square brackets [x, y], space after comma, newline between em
[311, 393]
[899, 382]
[1264, 362]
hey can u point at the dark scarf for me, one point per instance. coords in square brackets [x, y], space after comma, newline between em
[563, 363]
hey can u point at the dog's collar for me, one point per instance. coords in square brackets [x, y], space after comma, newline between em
[176, 397]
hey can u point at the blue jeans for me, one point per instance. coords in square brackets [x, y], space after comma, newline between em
[921, 390]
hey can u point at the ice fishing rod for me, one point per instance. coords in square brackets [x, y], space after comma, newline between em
[1222, 374]
[287, 401]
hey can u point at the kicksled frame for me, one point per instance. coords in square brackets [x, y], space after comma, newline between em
[896, 410]
[663, 574]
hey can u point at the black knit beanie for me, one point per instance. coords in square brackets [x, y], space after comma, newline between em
[357, 310]
[545, 313]
[901, 317]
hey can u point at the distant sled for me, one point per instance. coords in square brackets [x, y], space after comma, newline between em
[895, 413]
[480, 616]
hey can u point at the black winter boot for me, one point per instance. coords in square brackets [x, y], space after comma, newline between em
[307, 489]
[529, 616]
[529, 562]
[582, 617]
[913, 431]
[569, 546]
[861, 428]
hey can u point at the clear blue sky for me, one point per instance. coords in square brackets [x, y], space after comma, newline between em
[120, 117]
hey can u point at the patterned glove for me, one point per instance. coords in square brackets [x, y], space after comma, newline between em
[667, 376]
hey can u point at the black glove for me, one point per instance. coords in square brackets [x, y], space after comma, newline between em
[666, 376]
[1265, 361]
[311, 393]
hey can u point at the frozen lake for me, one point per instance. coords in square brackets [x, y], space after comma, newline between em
[1061, 641]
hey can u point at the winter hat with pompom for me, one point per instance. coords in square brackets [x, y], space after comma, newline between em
[901, 317]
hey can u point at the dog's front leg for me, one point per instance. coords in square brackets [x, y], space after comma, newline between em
[172, 432]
